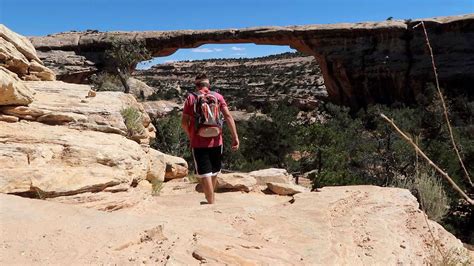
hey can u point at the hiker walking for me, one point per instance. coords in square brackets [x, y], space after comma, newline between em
[203, 116]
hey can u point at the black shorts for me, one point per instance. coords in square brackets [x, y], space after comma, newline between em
[208, 161]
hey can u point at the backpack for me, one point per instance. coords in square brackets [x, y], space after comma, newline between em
[207, 114]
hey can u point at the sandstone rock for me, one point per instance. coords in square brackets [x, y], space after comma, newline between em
[139, 88]
[286, 189]
[157, 166]
[12, 90]
[19, 56]
[68, 66]
[8, 118]
[59, 118]
[51, 161]
[352, 225]
[356, 59]
[159, 109]
[236, 181]
[145, 185]
[62, 103]
[271, 175]
[12, 59]
[40, 71]
[22, 44]
[176, 167]
[25, 112]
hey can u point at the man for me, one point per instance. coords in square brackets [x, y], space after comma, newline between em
[206, 140]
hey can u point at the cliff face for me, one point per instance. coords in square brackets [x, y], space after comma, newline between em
[361, 63]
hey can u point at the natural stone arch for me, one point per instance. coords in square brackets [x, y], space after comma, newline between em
[362, 63]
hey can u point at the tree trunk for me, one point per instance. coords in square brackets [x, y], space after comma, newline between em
[123, 79]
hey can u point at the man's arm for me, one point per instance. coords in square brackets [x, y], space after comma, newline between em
[233, 129]
[185, 122]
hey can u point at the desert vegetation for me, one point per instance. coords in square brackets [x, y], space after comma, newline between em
[350, 148]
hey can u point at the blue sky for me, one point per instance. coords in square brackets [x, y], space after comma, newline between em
[42, 17]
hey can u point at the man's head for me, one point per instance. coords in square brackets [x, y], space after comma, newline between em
[202, 81]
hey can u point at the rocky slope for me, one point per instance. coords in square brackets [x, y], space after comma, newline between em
[361, 225]
[246, 83]
[362, 63]
[63, 139]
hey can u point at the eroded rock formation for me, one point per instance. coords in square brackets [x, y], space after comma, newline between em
[361, 63]
[58, 138]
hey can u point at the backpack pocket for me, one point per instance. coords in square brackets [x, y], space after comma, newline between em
[209, 131]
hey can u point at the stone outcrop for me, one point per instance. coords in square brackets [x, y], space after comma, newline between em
[236, 182]
[12, 89]
[176, 167]
[354, 225]
[285, 189]
[18, 55]
[139, 88]
[271, 175]
[362, 63]
[60, 103]
[159, 109]
[46, 161]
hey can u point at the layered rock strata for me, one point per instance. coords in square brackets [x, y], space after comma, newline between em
[362, 63]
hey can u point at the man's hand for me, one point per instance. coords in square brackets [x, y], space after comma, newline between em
[235, 144]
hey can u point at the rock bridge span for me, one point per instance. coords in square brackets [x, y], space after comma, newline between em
[362, 63]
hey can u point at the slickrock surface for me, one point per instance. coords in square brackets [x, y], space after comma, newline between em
[362, 63]
[360, 225]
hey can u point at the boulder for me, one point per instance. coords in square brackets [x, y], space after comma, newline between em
[156, 166]
[139, 88]
[286, 189]
[48, 161]
[19, 56]
[236, 182]
[12, 59]
[12, 90]
[21, 43]
[159, 109]
[176, 167]
[271, 175]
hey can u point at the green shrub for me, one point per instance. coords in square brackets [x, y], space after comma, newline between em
[106, 82]
[156, 187]
[133, 120]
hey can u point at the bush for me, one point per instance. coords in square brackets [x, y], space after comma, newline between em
[133, 121]
[106, 82]
[429, 190]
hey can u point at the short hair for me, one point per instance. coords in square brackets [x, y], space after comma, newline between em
[202, 81]
[201, 76]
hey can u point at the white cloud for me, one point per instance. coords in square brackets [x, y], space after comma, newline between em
[237, 48]
[169, 61]
[202, 50]
[218, 49]
[239, 54]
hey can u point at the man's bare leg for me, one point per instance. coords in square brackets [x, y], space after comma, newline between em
[208, 189]
[214, 182]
